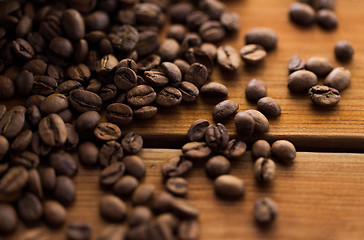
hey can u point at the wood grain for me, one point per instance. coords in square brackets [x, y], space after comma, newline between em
[319, 197]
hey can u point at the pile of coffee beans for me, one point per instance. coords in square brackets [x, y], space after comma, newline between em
[308, 12]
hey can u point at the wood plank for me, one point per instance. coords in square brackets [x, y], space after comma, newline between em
[319, 197]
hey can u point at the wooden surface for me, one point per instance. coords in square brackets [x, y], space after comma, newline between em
[319, 197]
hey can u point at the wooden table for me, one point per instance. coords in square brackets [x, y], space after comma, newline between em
[320, 196]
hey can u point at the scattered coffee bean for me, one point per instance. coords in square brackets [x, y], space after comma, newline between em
[112, 208]
[52, 130]
[261, 123]
[12, 183]
[64, 190]
[301, 81]
[119, 113]
[196, 74]
[176, 167]
[283, 151]
[212, 31]
[296, 63]
[265, 211]
[302, 14]
[244, 123]
[78, 231]
[12, 122]
[216, 137]
[224, 110]
[255, 90]
[228, 58]
[29, 208]
[87, 121]
[230, 21]
[134, 165]
[125, 186]
[324, 96]
[189, 91]
[319, 66]
[54, 213]
[235, 149]
[215, 90]
[189, 230]
[169, 97]
[140, 215]
[339, 78]
[107, 131]
[20, 143]
[269, 107]
[217, 166]
[132, 143]
[344, 51]
[265, 37]
[252, 54]
[327, 19]
[63, 163]
[197, 130]
[35, 184]
[229, 186]
[141, 95]
[48, 179]
[112, 173]
[8, 219]
[177, 186]
[145, 112]
[183, 208]
[143, 194]
[88, 153]
[110, 152]
[261, 149]
[264, 169]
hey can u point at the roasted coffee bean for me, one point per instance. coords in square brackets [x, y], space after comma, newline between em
[36, 66]
[143, 194]
[327, 19]
[217, 137]
[224, 110]
[177, 31]
[228, 186]
[35, 184]
[112, 173]
[68, 86]
[84, 101]
[162, 202]
[141, 95]
[79, 72]
[155, 78]
[177, 186]
[24, 84]
[196, 74]
[127, 63]
[64, 190]
[26, 159]
[119, 114]
[296, 63]
[81, 49]
[147, 13]
[107, 131]
[4, 146]
[54, 103]
[182, 65]
[107, 64]
[132, 143]
[196, 150]
[265, 37]
[34, 100]
[180, 11]
[8, 218]
[269, 107]
[255, 90]
[52, 130]
[214, 90]
[319, 66]
[63, 163]
[73, 24]
[140, 215]
[94, 86]
[172, 72]
[87, 121]
[145, 112]
[195, 19]
[61, 47]
[228, 58]
[54, 213]
[4, 167]
[217, 165]
[169, 97]
[213, 8]
[149, 62]
[21, 142]
[196, 55]
[135, 166]
[244, 123]
[112, 208]
[212, 31]
[22, 49]
[125, 78]
[125, 186]
[252, 54]
[72, 138]
[29, 208]
[48, 179]
[183, 208]
[12, 122]
[88, 153]
[301, 81]
[324, 96]
[147, 44]
[12, 183]
[188, 230]
[235, 149]
[176, 167]
[2, 111]
[36, 40]
[264, 169]
[265, 211]
[210, 49]
[302, 14]
[44, 85]
[261, 149]
[97, 21]
[230, 21]
[283, 151]
[110, 152]
[7, 88]
[78, 231]
[261, 123]
[344, 51]
[38, 146]
[169, 49]
[339, 78]
[114, 232]
[197, 130]
[108, 92]
[189, 91]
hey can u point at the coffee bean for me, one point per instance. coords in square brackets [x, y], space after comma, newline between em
[217, 137]
[132, 143]
[301, 81]
[79, 72]
[269, 107]
[196, 74]
[140, 215]
[264, 169]
[94, 86]
[339, 78]
[110, 152]
[228, 58]
[197, 130]
[87, 121]
[327, 19]
[255, 90]
[148, 63]
[195, 19]
[61, 47]
[64, 190]
[97, 21]
[235, 149]
[145, 112]
[283, 151]
[73, 24]
[63, 163]
[52, 130]
[29, 208]
[261, 123]
[7, 88]
[78, 231]
[72, 138]
[22, 49]
[135, 166]
[210, 49]
[162, 202]
[141, 95]
[177, 186]
[212, 31]
[37, 41]
[244, 123]
[147, 44]
[155, 78]
[324, 96]
[169, 49]
[252, 54]
[12, 183]
[2, 111]
[4, 167]
[217, 165]
[302, 14]
[261, 149]
[54, 213]
[83, 101]
[188, 230]
[147, 13]
[112, 173]
[26, 159]
[54, 103]
[344, 51]
[34, 100]
[265, 211]
[68, 86]
[107, 131]
[182, 65]
[180, 11]
[35, 184]
[172, 72]
[189, 91]
[21, 142]
[228, 186]
[196, 55]
[125, 186]
[127, 63]
[265, 37]
[319, 66]
[81, 49]
[107, 64]
[296, 63]
[214, 89]
[4, 146]
[8, 219]
[48, 179]
[44, 85]
[12, 122]
[125, 78]
[224, 110]
[112, 208]
[38, 146]
[119, 114]
[143, 194]
[88, 153]
[196, 151]
[176, 31]
[24, 84]
[169, 97]
[113, 233]
[108, 92]
[183, 208]
[176, 167]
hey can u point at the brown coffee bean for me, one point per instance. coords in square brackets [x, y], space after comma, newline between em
[135, 166]
[107, 64]
[212, 31]
[255, 90]
[4, 146]
[217, 165]
[12, 183]
[169, 97]
[195, 19]
[145, 112]
[176, 167]
[344, 51]
[114, 232]
[235, 149]
[261, 123]
[132, 143]
[4, 167]
[252, 54]
[112, 173]
[79, 72]
[327, 19]
[22, 49]
[210, 49]
[110, 152]
[141, 95]
[319, 66]
[229, 186]
[61, 47]
[21, 142]
[189, 91]
[64, 190]
[177, 31]
[215, 90]
[339, 78]
[217, 137]
[324, 96]
[52, 130]
[172, 72]
[88, 153]
[283, 151]
[265, 210]
[180, 11]
[94, 86]
[48, 179]
[107, 131]
[8, 219]
[44, 85]
[183, 208]
[197, 130]
[148, 43]
[127, 63]
[244, 123]
[112, 208]
[125, 186]
[108, 92]
[196, 151]
[63, 163]
[34, 115]
[296, 63]
[148, 63]
[140, 215]
[72, 138]
[301, 81]
[265, 37]
[264, 169]
[189, 230]
[224, 110]
[38, 146]
[2, 111]
[261, 149]
[162, 202]
[68, 86]
[35, 184]
[87, 121]
[302, 14]
[177, 186]
[196, 55]
[29, 208]
[81, 49]
[228, 58]
[143, 194]
[54, 213]
[78, 231]
[169, 49]
[26, 159]
[125, 78]
[34, 100]
[73, 24]
[230, 21]
[84, 101]
[182, 65]
[54, 103]
[13, 121]
[119, 114]
[24, 84]
[269, 107]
